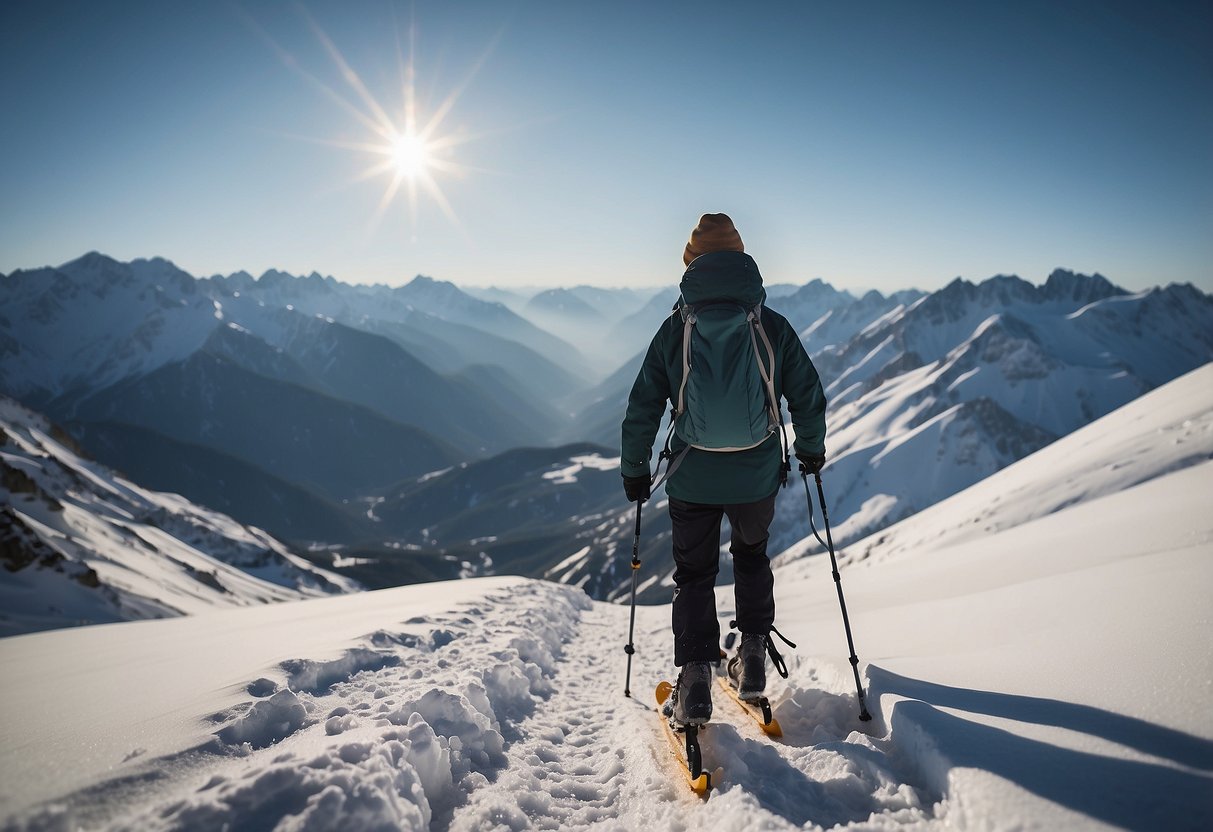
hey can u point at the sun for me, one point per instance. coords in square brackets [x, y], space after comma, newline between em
[410, 155]
[409, 149]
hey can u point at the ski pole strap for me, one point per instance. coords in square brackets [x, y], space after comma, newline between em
[780, 665]
[670, 467]
[782, 636]
[809, 497]
[667, 456]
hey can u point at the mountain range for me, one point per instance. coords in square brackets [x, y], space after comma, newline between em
[422, 432]
[929, 394]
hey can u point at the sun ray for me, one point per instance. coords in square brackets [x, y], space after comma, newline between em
[448, 103]
[389, 194]
[438, 196]
[374, 171]
[347, 72]
[413, 202]
[408, 75]
[292, 64]
[342, 144]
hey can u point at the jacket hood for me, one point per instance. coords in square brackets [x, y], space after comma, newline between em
[723, 275]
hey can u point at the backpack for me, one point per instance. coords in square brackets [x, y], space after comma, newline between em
[726, 401]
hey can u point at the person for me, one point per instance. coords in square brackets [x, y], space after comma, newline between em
[703, 486]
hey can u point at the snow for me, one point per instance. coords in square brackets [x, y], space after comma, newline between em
[1165, 430]
[1065, 658]
[567, 475]
[181, 678]
[1025, 365]
[1035, 651]
[136, 317]
[569, 562]
[83, 545]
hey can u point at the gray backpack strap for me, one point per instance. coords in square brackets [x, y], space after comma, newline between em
[756, 326]
[688, 323]
[776, 412]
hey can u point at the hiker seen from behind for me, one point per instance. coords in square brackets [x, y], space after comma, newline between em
[723, 361]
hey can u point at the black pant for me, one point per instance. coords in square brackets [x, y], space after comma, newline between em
[696, 562]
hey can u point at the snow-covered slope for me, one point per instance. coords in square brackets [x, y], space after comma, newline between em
[1050, 676]
[74, 331]
[936, 397]
[81, 545]
[94, 322]
[1048, 672]
[1165, 430]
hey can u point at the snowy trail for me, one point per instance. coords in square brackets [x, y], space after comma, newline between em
[591, 756]
[507, 711]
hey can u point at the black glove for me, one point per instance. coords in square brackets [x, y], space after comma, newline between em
[637, 488]
[811, 463]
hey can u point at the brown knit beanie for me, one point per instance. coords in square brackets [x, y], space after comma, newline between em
[715, 232]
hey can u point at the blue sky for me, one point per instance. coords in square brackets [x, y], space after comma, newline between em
[879, 145]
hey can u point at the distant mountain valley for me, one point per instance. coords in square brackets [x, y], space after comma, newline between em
[421, 432]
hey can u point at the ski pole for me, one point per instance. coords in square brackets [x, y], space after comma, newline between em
[630, 648]
[829, 542]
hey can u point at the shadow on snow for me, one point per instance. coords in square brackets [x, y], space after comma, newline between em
[1137, 794]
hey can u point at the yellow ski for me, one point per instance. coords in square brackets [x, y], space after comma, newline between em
[759, 709]
[684, 745]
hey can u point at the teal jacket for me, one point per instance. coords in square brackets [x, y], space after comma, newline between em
[711, 477]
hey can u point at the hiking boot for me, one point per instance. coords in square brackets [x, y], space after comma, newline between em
[748, 669]
[693, 694]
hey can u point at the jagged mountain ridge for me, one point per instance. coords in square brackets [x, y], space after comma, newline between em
[928, 393]
[449, 339]
[82, 545]
[94, 322]
[81, 339]
[939, 392]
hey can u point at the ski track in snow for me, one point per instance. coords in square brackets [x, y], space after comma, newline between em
[580, 764]
[432, 724]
